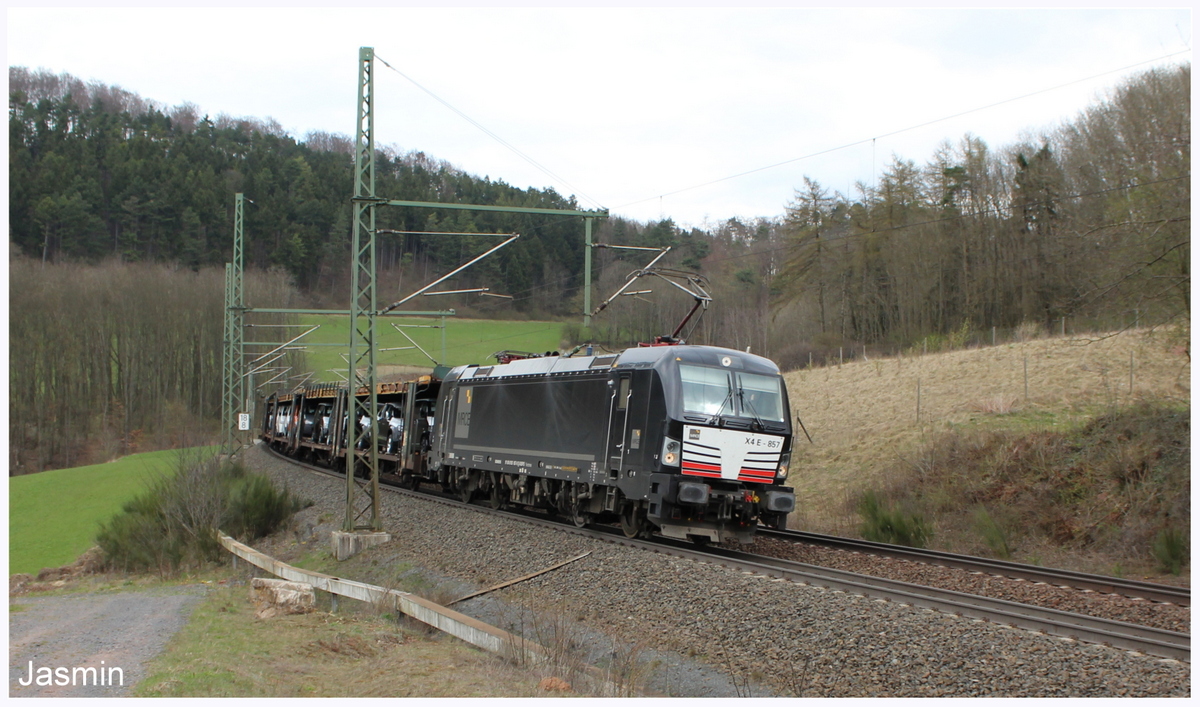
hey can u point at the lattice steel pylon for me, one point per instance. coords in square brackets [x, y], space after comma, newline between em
[227, 380]
[242, 395]
[362, 498]
[234, 390]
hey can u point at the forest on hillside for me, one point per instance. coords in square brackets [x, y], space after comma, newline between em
[1088, 222]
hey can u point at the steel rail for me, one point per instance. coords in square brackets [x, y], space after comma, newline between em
[1087, 629]
[1079, 580]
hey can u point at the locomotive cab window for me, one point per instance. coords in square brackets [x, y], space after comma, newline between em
[759, 396]
[623, 393]
[705, 390]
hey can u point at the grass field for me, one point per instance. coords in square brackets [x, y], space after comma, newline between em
[467, 341]
[863, 415]
[53, 516]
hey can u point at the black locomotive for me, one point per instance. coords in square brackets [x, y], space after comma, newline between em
[689, 441]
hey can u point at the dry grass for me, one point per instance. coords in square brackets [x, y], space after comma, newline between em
[225, 651]
[570, 647]
[863, 415]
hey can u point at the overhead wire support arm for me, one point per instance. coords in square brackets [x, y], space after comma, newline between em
[469, 291]
[450, 274]
[601, 213]
[264, 366]
[304, 377]
[391, 232]
[276, 377]
[417, 346]
[287, 343]
[344, 312]
[624, 247]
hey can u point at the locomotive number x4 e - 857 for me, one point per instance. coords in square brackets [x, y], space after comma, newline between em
[691, 441]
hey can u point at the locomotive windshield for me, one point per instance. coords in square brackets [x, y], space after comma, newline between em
[759, 396]
[711, 391]
[705, 390]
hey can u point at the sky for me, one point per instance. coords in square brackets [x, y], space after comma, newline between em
[650, 113]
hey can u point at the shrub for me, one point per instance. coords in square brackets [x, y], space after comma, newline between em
[140, 539]
[1028, 331]
[256, 508]
[1171, 550]
[958, 338]
[175, 521]
[886, 525]
[993, 533]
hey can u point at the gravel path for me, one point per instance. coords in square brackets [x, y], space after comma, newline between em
[122, 630]
[798, 640]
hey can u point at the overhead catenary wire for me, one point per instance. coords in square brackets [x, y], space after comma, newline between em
[996, 210]
[492, 135]
[892, 133]
[802, 157]
[774, 165]
[526, 293]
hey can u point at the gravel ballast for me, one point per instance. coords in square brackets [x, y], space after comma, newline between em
[1089, 603]
[794, 639]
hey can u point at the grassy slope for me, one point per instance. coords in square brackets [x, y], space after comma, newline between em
[53, 516]
[863, 415]
[467, 341]
[224, 651]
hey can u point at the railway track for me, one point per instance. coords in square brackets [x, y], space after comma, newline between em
[1014, 570]
[1088, 629]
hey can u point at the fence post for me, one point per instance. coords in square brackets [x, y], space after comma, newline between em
[1131, 374]
[1026, 377]
[918, 401]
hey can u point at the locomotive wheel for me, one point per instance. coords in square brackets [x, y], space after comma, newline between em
[496, 499]
[580, 518]
[465, 492]
[632, 523]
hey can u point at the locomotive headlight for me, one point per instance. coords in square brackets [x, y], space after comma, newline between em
[783, 466]
[670, 452]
